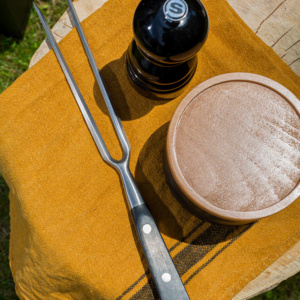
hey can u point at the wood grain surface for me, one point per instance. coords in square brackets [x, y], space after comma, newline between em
[277, 23]
[84, 8]
[286, 266]
[236, 141]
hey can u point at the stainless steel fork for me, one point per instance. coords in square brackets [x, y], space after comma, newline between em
[164, 273]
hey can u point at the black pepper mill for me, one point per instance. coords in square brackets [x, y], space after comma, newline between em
[167, 36]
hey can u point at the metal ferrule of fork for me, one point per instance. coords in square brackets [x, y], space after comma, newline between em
[166, 278]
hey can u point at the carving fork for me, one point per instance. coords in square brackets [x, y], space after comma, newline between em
[164, 273]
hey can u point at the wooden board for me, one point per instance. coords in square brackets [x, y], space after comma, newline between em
[286, 266]
[84, 8]
[277, 23]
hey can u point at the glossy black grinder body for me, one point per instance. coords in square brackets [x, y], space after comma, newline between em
[167, 36]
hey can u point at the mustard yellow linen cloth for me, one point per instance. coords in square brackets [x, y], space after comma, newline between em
[71, 233]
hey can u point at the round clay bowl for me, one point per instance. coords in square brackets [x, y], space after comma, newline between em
[233, 149]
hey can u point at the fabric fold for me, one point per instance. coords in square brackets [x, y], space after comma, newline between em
[71, 233]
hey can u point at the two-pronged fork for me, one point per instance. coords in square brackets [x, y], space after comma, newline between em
[165, 275]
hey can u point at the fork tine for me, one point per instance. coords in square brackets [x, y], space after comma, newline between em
[114, 118]
[76, 92]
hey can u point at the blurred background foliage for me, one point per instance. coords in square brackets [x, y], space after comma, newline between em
[15, 56]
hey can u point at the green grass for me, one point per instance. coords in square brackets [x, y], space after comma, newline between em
[6, 281]
[15, 56]
[14, 59]
[287, 290]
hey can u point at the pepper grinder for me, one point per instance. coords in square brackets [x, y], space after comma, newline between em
[167, 35]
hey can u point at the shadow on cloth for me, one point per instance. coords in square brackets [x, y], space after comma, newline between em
[169, 215]
[199, 240]
[151, 180]
[129, 101]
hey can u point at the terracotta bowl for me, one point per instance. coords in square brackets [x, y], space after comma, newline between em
[233, 149]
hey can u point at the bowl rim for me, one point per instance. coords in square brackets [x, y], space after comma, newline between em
[175, 171]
